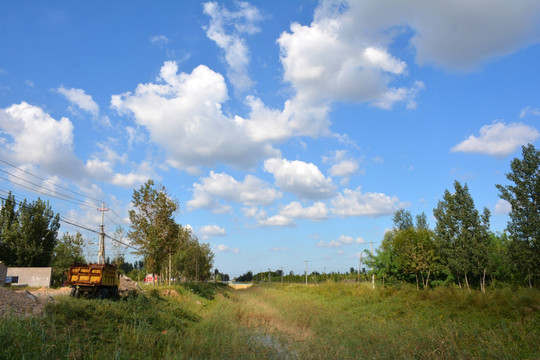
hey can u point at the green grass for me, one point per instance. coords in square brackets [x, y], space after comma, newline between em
[327, 321]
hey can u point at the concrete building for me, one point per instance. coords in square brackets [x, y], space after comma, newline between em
[32, 276]
[3, 274]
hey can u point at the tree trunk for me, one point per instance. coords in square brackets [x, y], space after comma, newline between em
[467, 282]
[484, 282]
[169, 278]
[459, 282]
[417, 287]
[427, 279]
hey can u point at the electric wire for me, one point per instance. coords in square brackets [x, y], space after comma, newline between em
[48, 181]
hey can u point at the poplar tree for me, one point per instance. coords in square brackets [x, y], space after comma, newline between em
[462, 235]
[524, 225]
[153, 228]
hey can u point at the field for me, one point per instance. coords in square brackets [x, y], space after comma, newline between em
[290, 321]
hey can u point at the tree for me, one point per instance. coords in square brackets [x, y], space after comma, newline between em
[67, 251]
[29, 234]
[402, 219]
[524, 224]
[153, 228]
[193, 260]
[462, 235]
[8, 230]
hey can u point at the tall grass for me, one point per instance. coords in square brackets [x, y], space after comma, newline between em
[289, 321]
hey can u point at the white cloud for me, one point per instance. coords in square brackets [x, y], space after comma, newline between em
[183, 114]
[343, 165]
[498, 139]
[355, 203]
[325, 62]
[34, 137]
[316, 212]
[487, 28]
[81, 99]
[159, 40]
[220, 186]
[212, 231]
[502, 207]
[220, 248]
[276, 220]
[343, 240]
[302, 179]
[529, 111]
[226, 29]
[264, 220]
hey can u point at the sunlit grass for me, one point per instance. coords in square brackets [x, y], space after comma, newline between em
[289, 321]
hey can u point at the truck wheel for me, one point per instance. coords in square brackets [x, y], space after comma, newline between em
[74, 293]
[103, 293]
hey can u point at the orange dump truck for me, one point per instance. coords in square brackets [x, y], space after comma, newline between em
[93, 280]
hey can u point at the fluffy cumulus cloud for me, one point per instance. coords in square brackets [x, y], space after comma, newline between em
[295, 210]
[498, 139]
[212, 231]
[345, 53]
[502, 207]
[221, 248]
[342, 164]
[305, 180]
[331, 60]
[212, 190]
[226, 29]
[182, 113]
[267, 221]
[356, 203]
[341, 241]
[31, 136]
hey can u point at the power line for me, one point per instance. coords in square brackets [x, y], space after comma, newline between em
[73, 223]
[49, 182]
[47, 194]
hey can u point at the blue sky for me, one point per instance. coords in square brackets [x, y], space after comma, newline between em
[288, 131]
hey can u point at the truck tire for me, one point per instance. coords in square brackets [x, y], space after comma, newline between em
[103, 293]
[74, 293]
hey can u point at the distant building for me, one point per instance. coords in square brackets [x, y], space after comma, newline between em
[151, 278]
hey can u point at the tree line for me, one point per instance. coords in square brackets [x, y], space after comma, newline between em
[461, 249]
[29, 237]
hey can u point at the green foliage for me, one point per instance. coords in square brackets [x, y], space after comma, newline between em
[153, 228]
[193, 259]
[524, 225]
[462, 234]
[68, 250]
[29, 233]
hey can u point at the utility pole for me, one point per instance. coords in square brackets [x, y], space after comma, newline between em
[372, 273]
[306, 270]
[359, 270]
[101, 253]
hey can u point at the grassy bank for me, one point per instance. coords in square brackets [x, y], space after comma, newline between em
[328, 321]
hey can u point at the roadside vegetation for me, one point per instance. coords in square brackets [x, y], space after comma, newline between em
[283, 321]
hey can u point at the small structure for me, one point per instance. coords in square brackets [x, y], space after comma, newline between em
[32, 276]
[151, 279]
[3, 274]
